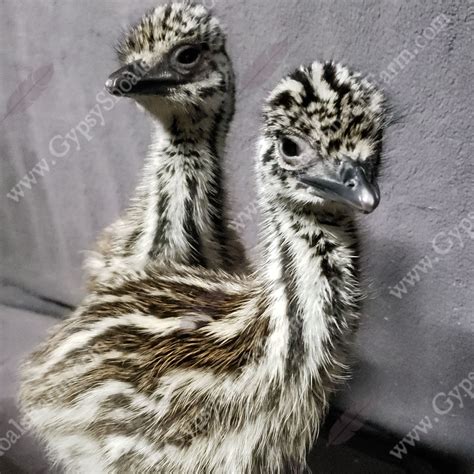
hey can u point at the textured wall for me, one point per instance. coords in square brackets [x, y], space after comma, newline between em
[412, 346]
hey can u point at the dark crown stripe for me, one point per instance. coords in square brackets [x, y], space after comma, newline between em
[329, 75]
[302, 77]
[167, 14]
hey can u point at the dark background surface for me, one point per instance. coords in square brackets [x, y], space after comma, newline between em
[54, 59]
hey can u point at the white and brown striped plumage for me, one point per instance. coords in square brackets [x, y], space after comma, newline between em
[178, 214]
[186, 370]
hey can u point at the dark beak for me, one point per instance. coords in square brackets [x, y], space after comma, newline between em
[348, 184]
[138, 79]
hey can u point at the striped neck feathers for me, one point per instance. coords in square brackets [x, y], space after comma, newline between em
[310, 270]
[182, 191]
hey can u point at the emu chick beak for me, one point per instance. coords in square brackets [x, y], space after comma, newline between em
[137, 79]
[348, 184]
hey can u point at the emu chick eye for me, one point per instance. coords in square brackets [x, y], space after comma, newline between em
[290, 148]
[188, 55]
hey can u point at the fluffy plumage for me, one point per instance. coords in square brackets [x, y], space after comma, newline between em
[187, 370]
[178, 214]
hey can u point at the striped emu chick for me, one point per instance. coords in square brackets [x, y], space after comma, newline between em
[175, 65]
[187, 370]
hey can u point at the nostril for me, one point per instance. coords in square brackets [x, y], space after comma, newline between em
[351, 184]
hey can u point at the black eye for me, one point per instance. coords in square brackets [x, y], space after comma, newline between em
[290, 148]
[188, 55]
[295, 152]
